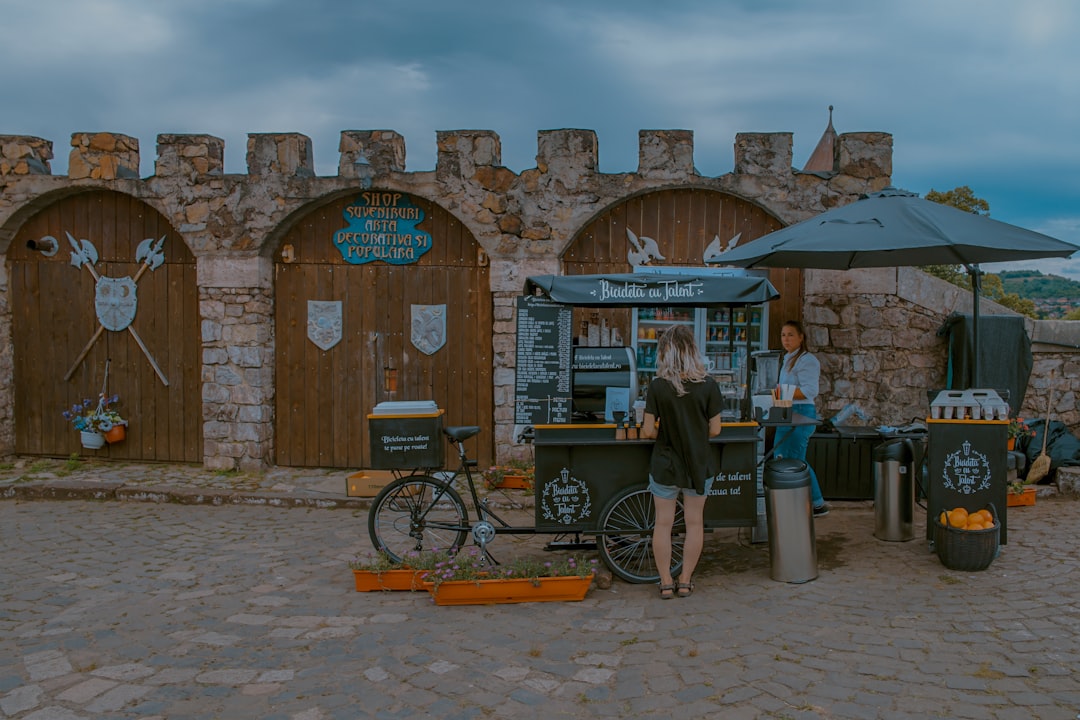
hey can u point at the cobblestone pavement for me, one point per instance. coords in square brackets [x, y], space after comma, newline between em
[234, 609]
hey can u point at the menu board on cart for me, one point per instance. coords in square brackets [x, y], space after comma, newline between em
[542, 392]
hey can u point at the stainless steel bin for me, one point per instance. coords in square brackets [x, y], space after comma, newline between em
[790, 519]
[894, 491]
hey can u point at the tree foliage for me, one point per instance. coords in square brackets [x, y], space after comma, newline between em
[963, 198]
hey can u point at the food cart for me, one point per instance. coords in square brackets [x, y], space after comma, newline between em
[592, 472]
[591, 468]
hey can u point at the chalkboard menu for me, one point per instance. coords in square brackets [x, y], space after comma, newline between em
[542, 389]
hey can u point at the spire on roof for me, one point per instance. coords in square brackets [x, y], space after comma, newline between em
[823, 159]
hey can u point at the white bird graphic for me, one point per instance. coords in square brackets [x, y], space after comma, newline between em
[642, 251]
[713, 251]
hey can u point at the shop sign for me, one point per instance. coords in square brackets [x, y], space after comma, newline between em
[382, 227]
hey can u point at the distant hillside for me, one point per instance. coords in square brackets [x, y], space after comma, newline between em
[1054, 296]
[1034, 285]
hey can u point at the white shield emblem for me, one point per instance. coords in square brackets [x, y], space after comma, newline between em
[324, 323]
[428, 327]
[115, 302]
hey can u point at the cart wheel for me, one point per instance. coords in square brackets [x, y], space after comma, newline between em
[625, 544]
[417, 513]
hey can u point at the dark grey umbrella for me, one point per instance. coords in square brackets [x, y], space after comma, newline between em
[894, 228]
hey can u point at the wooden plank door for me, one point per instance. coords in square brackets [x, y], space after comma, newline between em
[54, 319]
[324, 396]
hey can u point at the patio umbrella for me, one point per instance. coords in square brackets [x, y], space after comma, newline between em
[894, 228]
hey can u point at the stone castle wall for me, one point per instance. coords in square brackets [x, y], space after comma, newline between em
[524, 221]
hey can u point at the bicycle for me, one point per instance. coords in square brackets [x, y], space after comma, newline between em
[420, 510]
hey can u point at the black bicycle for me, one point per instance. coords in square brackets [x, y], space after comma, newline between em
[421, 510]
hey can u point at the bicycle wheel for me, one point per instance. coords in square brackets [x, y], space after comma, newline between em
[625, 545]
[417, 513]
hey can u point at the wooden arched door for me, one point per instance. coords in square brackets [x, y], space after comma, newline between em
[60, 355]
[326, 391]
[683, 222]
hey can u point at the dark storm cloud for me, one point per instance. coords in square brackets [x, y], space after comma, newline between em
[974, 93]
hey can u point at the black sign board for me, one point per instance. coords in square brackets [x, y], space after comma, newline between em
[968, 465]
[542, 389]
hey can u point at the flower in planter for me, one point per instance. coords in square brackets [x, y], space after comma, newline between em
[472, 564]
[379, 562]
[101, 418]
[493, 477]
[1019, 429]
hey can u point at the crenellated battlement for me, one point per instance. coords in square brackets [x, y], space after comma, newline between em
[662, 154]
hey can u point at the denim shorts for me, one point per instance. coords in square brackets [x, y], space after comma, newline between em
[671, 492]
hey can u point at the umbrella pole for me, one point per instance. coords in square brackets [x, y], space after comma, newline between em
[976, 288]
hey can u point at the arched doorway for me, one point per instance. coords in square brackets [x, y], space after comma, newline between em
[683, 222]
[61, 346]
[325, 391]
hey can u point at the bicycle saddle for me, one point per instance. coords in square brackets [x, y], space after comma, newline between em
[457, 434]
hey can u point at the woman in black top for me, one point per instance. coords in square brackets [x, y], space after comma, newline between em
[688, 402]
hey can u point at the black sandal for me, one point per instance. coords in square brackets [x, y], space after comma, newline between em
[684, 590]
[669, 589]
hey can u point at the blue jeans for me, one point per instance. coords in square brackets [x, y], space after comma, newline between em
[791, 442]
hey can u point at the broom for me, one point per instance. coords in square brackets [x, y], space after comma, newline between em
[1041, 466]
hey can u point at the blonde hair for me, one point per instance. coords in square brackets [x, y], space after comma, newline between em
[678, 359]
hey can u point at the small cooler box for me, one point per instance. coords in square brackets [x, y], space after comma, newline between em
[406, 435]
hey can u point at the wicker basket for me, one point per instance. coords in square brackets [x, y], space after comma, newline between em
[967, 550]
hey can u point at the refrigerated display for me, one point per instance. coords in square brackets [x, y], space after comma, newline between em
[721, 333]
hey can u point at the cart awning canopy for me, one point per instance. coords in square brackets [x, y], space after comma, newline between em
[641, 289]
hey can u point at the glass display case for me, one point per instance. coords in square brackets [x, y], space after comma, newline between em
[721, 333]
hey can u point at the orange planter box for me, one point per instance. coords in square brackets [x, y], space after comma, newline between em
[509, 590]
[370, 580]
[514, 482]
[1027, 497]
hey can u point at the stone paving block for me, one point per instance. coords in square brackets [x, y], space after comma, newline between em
[117, 698]
[770, 635]
[21, 699]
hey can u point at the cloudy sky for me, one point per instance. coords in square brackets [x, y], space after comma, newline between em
[979, 93]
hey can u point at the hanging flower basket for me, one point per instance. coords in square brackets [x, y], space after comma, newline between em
[116, 434]
[92, 439]
[508, 590]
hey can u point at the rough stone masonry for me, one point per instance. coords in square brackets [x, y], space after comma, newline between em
[523, 221]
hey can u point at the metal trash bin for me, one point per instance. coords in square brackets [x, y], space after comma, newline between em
[790, 519]
[894, 491]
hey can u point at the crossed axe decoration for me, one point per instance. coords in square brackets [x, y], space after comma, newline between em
[84, 254]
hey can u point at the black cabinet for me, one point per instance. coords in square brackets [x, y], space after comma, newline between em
[843, 460]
